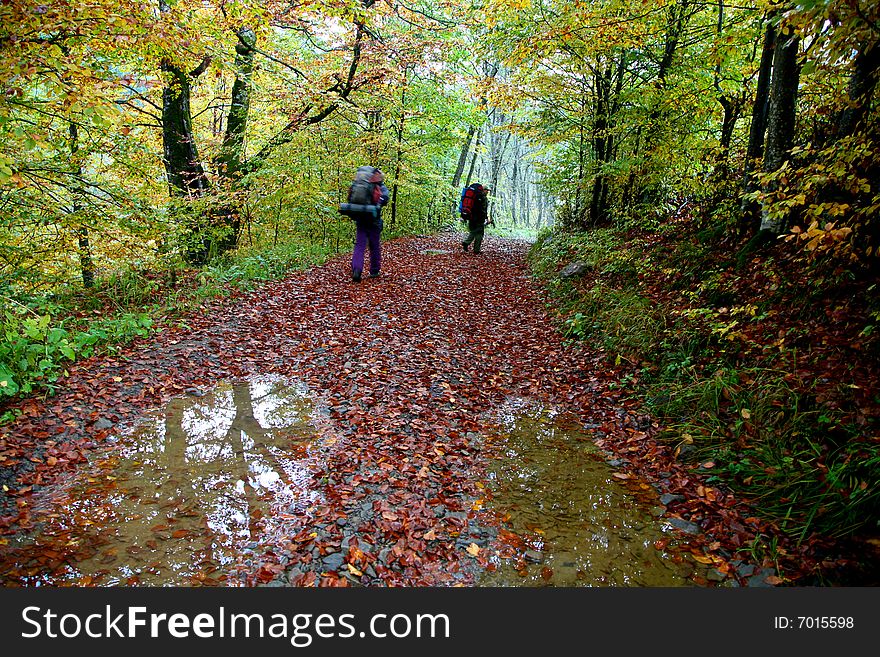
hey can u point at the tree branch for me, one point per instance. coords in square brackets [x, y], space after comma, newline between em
[342, 89]
[202, 67]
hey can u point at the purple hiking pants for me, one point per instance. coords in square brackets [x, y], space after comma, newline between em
[367, 235]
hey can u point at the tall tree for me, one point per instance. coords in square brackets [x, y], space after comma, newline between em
[750, 209]
[608, 84]
[860, 90]
[215, 227]
[781, 114]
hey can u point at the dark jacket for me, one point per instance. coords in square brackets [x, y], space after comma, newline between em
[384, 195]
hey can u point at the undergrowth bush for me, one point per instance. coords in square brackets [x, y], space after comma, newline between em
[768, 432]
[40, 335]
[34, 349]
[622, 321]
[241, 270]
[808, 468]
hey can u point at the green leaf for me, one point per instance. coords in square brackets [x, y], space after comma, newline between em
[8, 386]
[56, 335]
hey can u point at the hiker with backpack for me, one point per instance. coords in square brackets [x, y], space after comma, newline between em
[474, 210]
[366, 197]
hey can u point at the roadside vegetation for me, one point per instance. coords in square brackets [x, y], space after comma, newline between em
[764, 371]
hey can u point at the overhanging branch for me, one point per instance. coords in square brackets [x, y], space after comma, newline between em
[310, 115]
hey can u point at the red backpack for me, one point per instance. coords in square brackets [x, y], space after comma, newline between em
[468, 199]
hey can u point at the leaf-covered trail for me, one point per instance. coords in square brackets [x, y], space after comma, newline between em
[410, 369]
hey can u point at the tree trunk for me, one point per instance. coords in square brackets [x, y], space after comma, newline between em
[86, 264]
[462, 158]
[230, 160]
[629, 192]
[608, 86]
[750, 211]
[231, 157]
[459, 169]
[852, 120]
[600, 128]
[498, 151]
[860, 90]
[539, 211]
[781, 114]
[186, 176]
[514, 182]
[470, 173]
[730, 107]
[677, 17]
[401, 126]
[579, 214]
[602, 85]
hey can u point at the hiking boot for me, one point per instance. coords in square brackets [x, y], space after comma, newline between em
[464, 246]
[376, 275]
[355, 277]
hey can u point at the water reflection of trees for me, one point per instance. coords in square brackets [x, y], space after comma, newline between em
[196, 483]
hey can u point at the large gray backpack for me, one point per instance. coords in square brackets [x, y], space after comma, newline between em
[360, 196]
[361, 191]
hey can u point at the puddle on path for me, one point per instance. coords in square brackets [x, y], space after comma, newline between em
[552, 483]
[186, 489]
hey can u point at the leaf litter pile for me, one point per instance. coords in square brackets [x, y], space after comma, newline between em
[408, 372]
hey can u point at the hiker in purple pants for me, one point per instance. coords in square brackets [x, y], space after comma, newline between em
[368, 228]
[367, 233]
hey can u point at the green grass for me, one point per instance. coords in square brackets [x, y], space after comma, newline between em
[513, 232]
[623, 322]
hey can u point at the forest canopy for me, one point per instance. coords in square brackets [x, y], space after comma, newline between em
[152, 131]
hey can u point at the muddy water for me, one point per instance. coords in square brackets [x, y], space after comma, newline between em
[582, 526]
[188, 488]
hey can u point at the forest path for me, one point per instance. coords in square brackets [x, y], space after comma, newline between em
[406, 374]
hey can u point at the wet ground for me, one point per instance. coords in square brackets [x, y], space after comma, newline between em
[182, 493]
[551, 483]
[186, 494]
[314, 432]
